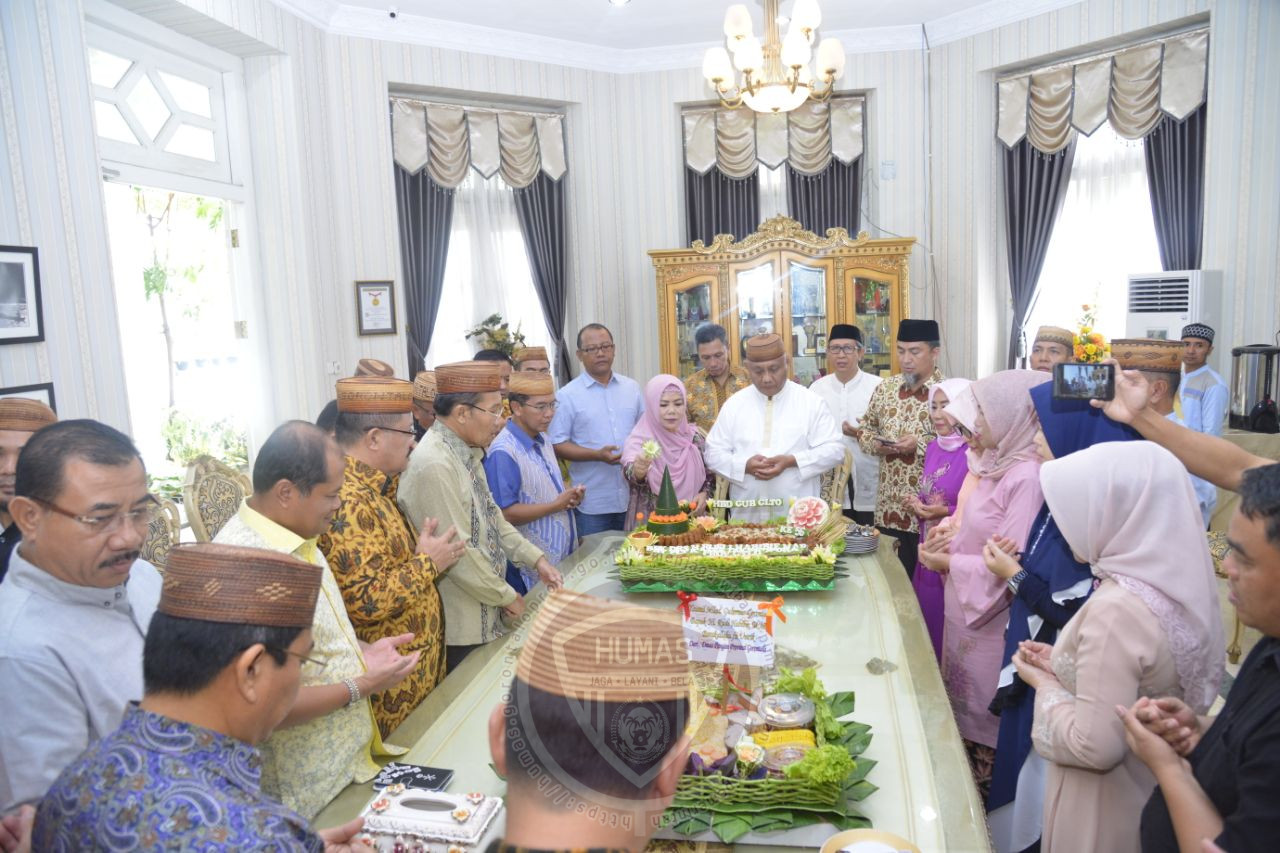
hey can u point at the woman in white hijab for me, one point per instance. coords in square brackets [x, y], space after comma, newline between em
[1152, 628]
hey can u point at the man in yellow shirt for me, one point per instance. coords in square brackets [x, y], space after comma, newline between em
[717, 381]
[329, 739]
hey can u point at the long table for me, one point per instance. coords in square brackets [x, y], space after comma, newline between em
[926, 793]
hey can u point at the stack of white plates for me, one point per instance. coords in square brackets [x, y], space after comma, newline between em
[861, 540]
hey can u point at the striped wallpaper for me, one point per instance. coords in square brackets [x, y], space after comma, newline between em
[326, 204]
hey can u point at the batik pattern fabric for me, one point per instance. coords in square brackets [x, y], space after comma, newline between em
[706, 396]
[156, 783]
[892, 413]
[388, 588]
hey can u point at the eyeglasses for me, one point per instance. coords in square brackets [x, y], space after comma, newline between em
[498, 414]
[842, 350]
[393, 429]
[543, 407]
[598, 348]
[319, 664]
[102, 525]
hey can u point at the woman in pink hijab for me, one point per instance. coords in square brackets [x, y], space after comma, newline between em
[666, 422]
[1151, 628]
[1001, 424]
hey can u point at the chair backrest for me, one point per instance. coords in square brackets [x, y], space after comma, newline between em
[162, 534]
[212, 494]
[835, 483]
[721, 493]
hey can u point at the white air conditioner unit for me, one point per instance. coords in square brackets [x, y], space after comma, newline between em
[1160, 304]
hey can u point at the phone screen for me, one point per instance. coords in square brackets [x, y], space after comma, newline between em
[1084, 381]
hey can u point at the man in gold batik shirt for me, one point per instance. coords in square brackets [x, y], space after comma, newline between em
[897, 428]
[717, 381]
[387, 571]
[329, 739]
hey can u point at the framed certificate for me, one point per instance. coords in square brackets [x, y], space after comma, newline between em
[376, 307]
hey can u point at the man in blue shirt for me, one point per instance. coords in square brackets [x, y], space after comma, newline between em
[1203, 398]
[596, 413]
[525, 479]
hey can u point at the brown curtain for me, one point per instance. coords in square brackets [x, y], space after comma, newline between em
[1175, 176]
[426, 217]
[540, 209]
[829, 199]
[717, 204]
[1035, 187]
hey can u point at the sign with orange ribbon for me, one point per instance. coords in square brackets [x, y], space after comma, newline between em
[771, 609]
[729, 631]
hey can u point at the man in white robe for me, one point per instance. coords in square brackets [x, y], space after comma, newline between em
[775, 439]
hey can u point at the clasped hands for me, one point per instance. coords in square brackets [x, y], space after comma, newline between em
[768, 467]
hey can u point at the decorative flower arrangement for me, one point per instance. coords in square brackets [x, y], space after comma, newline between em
[651, 449]
[495, 334]
[1090, 346]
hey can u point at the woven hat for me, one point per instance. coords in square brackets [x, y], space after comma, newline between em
[1197, 330]
[844, 332]
[375, 395]
[424, 386]
[24, 415]
[523, 354]
[239, 586]
[589, 648]
[912, 331]
[468, 377]
[374, 367]
[530, 384]
[1055, 335]
[765, 347]
[1147, 354]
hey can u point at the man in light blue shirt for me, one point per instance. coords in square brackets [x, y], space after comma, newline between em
[596, 413]
[1203, 398]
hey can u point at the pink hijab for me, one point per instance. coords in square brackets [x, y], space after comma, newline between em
[953, 389]
[688, 473]
[1129, 509]
[1003, 399]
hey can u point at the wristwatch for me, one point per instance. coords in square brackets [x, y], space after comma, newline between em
[1016, 581]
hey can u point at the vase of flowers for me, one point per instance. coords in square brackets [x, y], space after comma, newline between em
[1090, 346]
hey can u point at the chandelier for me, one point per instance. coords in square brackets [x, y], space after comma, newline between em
[776, 77]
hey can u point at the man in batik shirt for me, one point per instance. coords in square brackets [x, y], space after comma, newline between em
[717, 381]
[387, 570]
[897, 428]
[222, 665]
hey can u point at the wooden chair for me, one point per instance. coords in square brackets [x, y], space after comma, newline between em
[720, 493]
[162, 534]
[1218, 549]
[212, 493]
[835, 483]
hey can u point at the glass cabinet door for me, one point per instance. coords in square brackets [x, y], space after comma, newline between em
[873, 311]
[693, 307]
[807, 322]
[754, 291]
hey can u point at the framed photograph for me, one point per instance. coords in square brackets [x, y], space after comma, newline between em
[376, 307]
[21, 318]
[42, 392]
[820, 342]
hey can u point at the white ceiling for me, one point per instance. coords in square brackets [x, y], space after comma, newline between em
[646, 34]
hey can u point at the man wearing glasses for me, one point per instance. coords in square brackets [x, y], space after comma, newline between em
[446, 480]
[596, 413]
[525, 479]
[76, 604]
[847, 392]
[19, 419]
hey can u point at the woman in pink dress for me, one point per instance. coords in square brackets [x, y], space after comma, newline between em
[1151, 628]
[1001, 422]
[945, 467]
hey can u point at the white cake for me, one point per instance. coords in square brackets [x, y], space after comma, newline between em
[412, 820]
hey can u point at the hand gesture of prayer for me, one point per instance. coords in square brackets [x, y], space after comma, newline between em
[444, 550]
[342, 839]
[999, 554]
[1172, 719]
[549, 574]
[384, 665]
[610, 454]
[1033, 665]
[15, 830]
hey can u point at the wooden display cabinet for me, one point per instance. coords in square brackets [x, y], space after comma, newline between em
[788, 280]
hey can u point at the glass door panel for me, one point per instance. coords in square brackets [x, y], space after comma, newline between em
[692, 309]
[755, 298]
[807, 303]
[873, 310]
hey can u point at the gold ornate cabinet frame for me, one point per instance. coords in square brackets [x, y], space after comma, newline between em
[788, 280]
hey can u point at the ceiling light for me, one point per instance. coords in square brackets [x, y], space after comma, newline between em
[619, 3]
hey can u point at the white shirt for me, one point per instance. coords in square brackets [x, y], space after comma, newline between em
[848, 403]
[70, 661]
[794, 422]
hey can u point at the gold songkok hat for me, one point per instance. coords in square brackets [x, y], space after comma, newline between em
[765, 347]
[1055, 335]
[1147, 354]
[424, 386]
[374, 367]
[588, 648]
[468, 377]
[523, 354]
[240, 586]
[530, 384]
[375, 395]
[24, 415]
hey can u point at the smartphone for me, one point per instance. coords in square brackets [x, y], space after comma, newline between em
[887, 442]
[1084, 381]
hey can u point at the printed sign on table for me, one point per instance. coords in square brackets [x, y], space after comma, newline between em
[727, 631]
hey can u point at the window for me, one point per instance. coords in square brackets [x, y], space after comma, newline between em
[1104, 233]
[773, 191]
[487, 272]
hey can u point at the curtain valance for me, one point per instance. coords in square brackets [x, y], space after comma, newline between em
[446, 139]
[806, 138]
[1134, 88]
